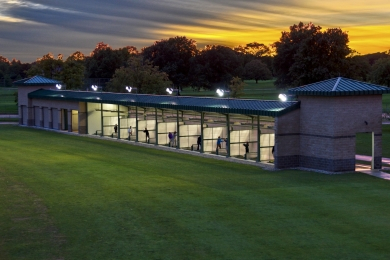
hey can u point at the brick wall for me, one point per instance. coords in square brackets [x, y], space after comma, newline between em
[287, 140]
[329, 126]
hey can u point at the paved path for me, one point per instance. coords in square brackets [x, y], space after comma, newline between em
[9, 116]
[365, 168]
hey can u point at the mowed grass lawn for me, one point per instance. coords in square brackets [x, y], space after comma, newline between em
[263, 90]
[73, 197]
[7, 101]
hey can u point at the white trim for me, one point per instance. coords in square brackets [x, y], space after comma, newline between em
[335, 85]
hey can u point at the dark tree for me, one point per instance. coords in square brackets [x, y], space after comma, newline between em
[358, 68]
[47, 66]
[380, 73]
[140, 74]
[306, 54]
[11, 71]
[215, 66]
[172, 56]
[103, 60]
[373, 57]
[73, 71]
[257, 70]
[255, 51]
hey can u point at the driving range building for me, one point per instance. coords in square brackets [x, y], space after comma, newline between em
[317, 130]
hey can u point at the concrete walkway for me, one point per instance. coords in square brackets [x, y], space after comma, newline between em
[365, 168]
[9, 116]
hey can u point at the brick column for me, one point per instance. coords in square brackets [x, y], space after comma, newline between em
[83, 118]
[20, 111]
[69, 120]
[41, 116]
[377, 152]
[50, 115]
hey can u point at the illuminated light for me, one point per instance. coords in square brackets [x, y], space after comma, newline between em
[283, 97]
[58, 86]
[220, 92]
[169, 90]
[94, 87]
[129, 89]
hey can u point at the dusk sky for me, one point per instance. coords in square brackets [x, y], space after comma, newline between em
[30, 29]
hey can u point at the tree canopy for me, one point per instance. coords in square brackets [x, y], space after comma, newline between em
[236, 87]
[140, 74]
[215, 66]
[103, 60]
[305, 54]
[47, 66]
[73, 71]
[257, 70]
[173, 57]
[381, 72]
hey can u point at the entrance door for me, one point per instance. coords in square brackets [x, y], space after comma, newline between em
[64, 119]
[75, 121]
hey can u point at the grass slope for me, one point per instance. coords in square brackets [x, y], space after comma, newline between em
[71, 197]
[263, 90]
[7, 101]
[364, 142]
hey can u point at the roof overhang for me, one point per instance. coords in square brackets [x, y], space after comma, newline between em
[200, 104]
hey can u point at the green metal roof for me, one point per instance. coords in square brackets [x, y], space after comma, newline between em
[200, 104]
[36, 81]
[339, 87]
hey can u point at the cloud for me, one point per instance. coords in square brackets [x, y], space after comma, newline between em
[80, 25]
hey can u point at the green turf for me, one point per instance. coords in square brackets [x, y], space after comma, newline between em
[7, 101]
[386, 103]
[364, 142]
[73, 197]
[264, 90]
[9, 119]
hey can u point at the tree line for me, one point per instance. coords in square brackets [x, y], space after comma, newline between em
[304, 54]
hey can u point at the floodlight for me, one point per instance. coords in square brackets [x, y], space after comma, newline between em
[220, 92]
[129, 89]
[169, 90]
[283, 97]
[94, 87]
[58, 86]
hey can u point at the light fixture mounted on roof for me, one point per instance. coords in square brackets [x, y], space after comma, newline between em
[129, 89]
[96, 88]
[222, 92]
[171, 90]
[283, 97]
[286, 97]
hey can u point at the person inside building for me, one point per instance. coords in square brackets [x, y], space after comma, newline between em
[130, 131]
[146, 134]
[199, 142]
[170, 137]
[219, 142]
[246, 145]
[174, 138]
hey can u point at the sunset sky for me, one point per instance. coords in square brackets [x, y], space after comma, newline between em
[30, 29]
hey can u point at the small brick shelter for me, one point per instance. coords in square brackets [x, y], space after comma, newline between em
[321, 134]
